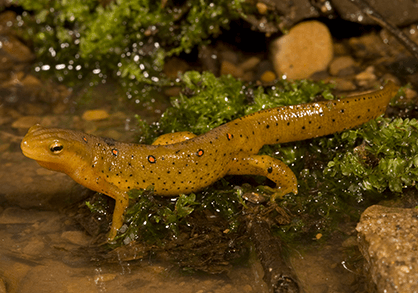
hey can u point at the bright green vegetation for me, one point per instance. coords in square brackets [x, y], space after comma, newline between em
[338, 175]
[208, 101]
[129, 40]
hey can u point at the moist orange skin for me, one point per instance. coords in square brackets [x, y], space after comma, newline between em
[184, 163]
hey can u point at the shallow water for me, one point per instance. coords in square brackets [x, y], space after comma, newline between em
[43, 247]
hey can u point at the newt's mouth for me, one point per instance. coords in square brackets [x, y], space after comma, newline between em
[27, 146]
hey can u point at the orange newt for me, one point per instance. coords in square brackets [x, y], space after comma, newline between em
[184, 163]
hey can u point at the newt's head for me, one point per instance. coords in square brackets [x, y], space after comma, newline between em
[55, 149]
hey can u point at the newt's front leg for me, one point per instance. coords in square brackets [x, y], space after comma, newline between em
[272, 168]
[121, 204]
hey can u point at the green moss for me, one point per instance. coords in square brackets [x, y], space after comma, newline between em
[128, 40]
[154, 219]
[387, 157]
[207, 101]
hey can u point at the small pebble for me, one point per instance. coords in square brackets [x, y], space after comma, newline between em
[228, 55]
[262, 8]
[229, 68]
[94, 115]
[410, 94]
[342, 84]
[26, 121]
[76, 237]
[17, 51]
[105, 278]
[366, 77]
[250, 63]
[342, 66]
[268, 76]
[306, 49]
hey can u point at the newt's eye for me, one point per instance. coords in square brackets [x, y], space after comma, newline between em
[56, 148]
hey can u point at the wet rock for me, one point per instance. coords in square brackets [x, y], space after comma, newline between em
[397, 13]
[14, 50]
[342, 66]
[410, 93]
[342, 84]
[94, 115]
[368, 46]
[261, 7]
[14, 215]
[50, 121]
[2, 286]
[294, 11]
[22, 79]
[341, 49]
[34, 248]
[366, 77]
[105, 278]
[7, 20]
[30, 109]
[57, 277]
[387, 239]
[26, 121]
[250, 63]
[76, 237]
[26, 189]
[230, 68]
[305, 50]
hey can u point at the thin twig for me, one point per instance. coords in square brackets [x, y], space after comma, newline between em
[397, 33]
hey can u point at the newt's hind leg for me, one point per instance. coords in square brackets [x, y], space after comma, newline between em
[272, 168]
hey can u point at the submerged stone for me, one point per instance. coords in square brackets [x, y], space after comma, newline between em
[387, 239]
